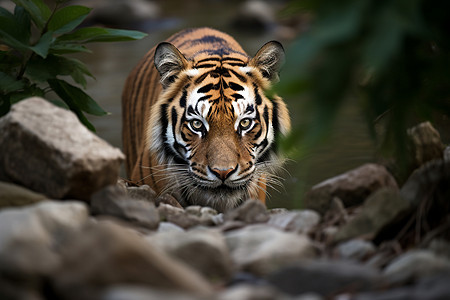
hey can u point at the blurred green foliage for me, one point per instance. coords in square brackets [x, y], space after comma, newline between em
[391, 55]
[34, 40]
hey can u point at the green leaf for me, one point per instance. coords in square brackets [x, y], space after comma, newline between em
[68, 18]
[9, 62]
[39, 11]
[11, 41]
[65, 48]
[9, 84]
[10, 32]
[41, 70]
[60, 88]
[43, 45]
[60, 103]
[77, 96]
[83, 119]
[30, 91]
[23, 22]
[95, 34]
[78, 71]
[5, 105]
[5, 13]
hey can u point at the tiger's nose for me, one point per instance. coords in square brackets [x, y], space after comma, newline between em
[222, 173]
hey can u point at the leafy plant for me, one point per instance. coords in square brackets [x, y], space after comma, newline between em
[34, 40]
[392, 56]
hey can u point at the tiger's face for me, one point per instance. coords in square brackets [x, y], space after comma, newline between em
[215, 130]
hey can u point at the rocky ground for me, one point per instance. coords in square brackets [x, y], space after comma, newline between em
[70, 230]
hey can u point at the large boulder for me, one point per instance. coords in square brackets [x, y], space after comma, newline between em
[46, 149]
[429, 181]
[352, 187]
[30, 236]
[104, 255]
[382, 209]
[30, 239]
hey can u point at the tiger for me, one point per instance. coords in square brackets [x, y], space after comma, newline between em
[197, 121]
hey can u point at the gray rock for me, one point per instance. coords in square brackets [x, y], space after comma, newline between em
[168, 199]
[168, 227]
[447, 153]
[193, 210]
[329, 233]
[12, 290]
[300, 221]
[380, 259]
[426, 143]
[415, 264]
[113, 201]
[278, 210]
[429, 180]
[355, 250]
[251, 211]
[203, 250]
[381, 209]
[122, 183]
[178, 216]
[309, 296]
[207, 215]
[16, 195]
[60, 156]
[218, 219]
[325, 278]
[143, 192]
[210, 216]
[430, 288]
[133, 292]
[262, 249]
[30, 236]
[440, 247]
[352, 187]
[250, 292]
[232, 225]
[104, 254]
[167, 209]
[205, 210]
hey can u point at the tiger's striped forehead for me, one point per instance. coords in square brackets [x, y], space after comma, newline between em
[222, 86]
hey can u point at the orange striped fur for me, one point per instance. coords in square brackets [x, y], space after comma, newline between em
[197, 123]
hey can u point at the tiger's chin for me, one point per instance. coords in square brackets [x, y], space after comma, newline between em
[221, 198]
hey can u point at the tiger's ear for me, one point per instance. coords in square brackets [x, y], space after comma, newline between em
[169, 61]
[269, 60]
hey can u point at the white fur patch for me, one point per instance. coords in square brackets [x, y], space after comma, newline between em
[200, 107]
[246, 69]
[192, 72]
[193, 97]
[241, 105]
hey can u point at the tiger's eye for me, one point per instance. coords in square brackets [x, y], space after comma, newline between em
[245, 123]
[196, 124]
